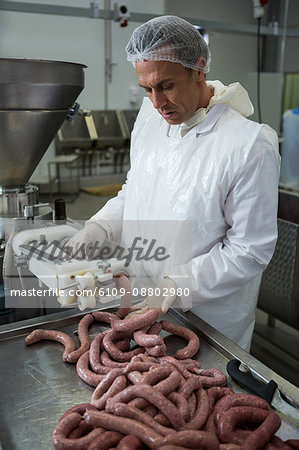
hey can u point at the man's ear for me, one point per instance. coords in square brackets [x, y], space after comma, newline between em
[201, 62]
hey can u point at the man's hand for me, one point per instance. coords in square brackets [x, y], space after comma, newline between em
[87, 242]
[162, 298]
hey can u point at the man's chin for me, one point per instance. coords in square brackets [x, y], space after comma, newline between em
[175, 120]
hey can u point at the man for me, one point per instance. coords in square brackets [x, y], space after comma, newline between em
[196, 159]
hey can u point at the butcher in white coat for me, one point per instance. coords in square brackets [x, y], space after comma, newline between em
[195, 160]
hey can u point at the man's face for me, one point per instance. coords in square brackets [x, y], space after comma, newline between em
[175, 92]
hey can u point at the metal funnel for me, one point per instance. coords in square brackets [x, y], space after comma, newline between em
[35, 97]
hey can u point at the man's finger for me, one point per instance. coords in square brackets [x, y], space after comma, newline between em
[167, 303]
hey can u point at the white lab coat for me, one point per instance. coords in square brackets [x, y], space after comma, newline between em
[221, 178]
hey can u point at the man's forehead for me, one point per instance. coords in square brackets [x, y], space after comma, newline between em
[158, 71]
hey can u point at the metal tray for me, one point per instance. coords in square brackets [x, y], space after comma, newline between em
[37, 387]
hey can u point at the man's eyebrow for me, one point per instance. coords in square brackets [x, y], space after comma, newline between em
[166, 80]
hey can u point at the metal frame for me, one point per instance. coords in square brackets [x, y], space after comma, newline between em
[95, 13]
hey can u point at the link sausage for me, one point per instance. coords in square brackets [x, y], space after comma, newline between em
[136, 323]
[146, 434]
[84, 338]
[84, 373]
[63, 429]
[106, 440]
[52, 335]
[193, 345]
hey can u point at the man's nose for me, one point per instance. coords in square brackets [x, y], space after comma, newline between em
[158, 99]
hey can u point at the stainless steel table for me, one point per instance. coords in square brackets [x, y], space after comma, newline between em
[37, 387]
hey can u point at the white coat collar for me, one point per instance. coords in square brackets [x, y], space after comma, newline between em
[211, 119]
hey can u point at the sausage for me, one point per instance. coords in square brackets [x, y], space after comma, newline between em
[233, 400]
[156, 374]
[194, 439]
[117, 386]
[144, 339]
[94, 354]
[53, 335]
[135, 323]
[165, 386]
[145, 357]
[277, 443]
[103, 419]
[84, 338]
[63, 429]
[229, 447]
[192, 402]
[123, 344]
[108, 362]
[265, 432]
[134, 376]
[123, 410]
[80, 409]
[181, 403]
[152, 395]
[162, 420]
[201, 413]
[258, 438]
[84, 373]
[211, 377]
[173, 447]
[82, 429]
[193, 345]
[114, 352]
[103, 386]
[126, 299]
[104, 316]
[215, 393]
[210, 425]
[106, 440]
[190, 385]
[141, 366]
[129, 442]
[190, 364]
[155, 328]
[157, 350]
[177, 364]
[151, 410]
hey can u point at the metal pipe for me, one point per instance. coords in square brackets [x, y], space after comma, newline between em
[108, 52]
[284, 35]
[210, 25]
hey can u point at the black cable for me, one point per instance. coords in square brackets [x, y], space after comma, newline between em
[259, 69]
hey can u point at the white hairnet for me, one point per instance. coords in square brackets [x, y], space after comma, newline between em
[169, 38]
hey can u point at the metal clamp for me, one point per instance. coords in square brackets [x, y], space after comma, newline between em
[30, 211]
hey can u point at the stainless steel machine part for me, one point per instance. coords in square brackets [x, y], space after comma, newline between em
[25, 136]
[28, 84]
[38, 387]
[35, 98]
[13, 200]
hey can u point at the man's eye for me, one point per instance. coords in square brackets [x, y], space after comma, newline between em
[148, 90]
[166, 88]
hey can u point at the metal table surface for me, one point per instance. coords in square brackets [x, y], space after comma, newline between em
[37, 387]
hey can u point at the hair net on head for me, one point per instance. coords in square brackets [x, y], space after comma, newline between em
[169, 38]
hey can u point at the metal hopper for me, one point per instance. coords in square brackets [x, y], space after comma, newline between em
[35, 98]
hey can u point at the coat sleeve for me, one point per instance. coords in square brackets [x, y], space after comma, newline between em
[250, 212]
